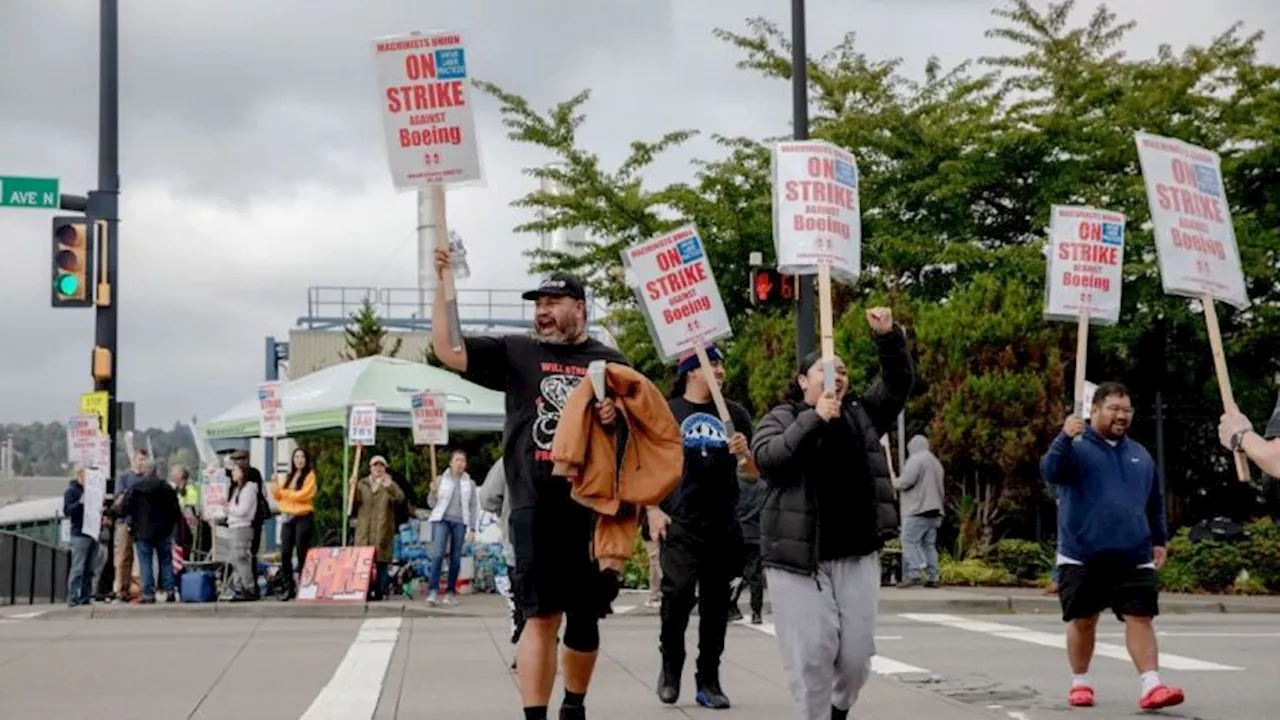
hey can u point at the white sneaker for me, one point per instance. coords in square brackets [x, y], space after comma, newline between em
[431, 600]
[653, 603]
[450, 600]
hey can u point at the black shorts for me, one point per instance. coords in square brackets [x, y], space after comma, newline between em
[554, 570]
[1087, 590]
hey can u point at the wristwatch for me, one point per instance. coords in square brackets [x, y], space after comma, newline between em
[1238, 438]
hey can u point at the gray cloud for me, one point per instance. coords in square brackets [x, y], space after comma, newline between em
[253, 163]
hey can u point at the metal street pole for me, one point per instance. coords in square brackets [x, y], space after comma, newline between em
[806, 334]
[104, 205]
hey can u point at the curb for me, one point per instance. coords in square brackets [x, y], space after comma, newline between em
[267, 609]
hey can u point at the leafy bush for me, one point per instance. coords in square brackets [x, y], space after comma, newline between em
[1211, 566]
[1024, 559]
[973, 572]
[635, 574]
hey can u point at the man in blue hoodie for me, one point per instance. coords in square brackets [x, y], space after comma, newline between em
[1111, 540]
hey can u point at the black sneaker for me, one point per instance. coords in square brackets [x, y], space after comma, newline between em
[669, 682]
[573, 713]
[734, 614]
[838, 714]
[710, 695]
[756, 618]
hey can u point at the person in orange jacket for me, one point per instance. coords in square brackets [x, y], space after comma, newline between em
[296, 498]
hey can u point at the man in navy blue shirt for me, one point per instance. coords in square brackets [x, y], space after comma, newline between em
[1111, 540]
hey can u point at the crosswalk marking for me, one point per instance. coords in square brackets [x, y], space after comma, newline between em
[1059, 640]
[353, 691]
[880, 664]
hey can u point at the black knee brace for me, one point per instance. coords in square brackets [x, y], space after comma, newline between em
[582, 632]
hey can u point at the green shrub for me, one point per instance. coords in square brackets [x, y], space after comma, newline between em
[973, 572]
[1176, 576]
[635, 574]
[1212, 566]
[1025, 560]
[1262, 553]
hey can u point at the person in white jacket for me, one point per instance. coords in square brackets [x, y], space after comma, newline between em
[241, 510]
[455, 510]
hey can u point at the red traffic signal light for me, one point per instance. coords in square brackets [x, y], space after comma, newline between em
[768, 286]
[72, 270]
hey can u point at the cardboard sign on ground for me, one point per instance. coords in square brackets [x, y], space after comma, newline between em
[336, 574]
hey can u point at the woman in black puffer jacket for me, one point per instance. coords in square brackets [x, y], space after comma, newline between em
[829, 509]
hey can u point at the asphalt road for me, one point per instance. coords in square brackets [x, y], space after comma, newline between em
[938, 666]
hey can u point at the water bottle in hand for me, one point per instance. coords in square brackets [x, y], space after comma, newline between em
[458, 254]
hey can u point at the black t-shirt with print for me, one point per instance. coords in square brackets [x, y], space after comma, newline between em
[707, 497]
[537, 379]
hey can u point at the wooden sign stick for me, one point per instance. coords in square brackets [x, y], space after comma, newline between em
[1224, 378]
[355, 481]
[825, 325]
[1082, 357]
[446, 277]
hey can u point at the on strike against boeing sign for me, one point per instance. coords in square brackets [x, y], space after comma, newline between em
[426, 110]
[1194, 236]
[1086, 264]
[816, 216]
[674, 284]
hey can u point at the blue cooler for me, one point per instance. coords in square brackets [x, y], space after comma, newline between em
[198, 586]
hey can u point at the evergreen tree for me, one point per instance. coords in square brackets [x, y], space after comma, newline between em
[366, 336]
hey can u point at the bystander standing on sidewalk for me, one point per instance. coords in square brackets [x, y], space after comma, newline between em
[122, 540]
[154, 511]
[83, 547]
[922, 491]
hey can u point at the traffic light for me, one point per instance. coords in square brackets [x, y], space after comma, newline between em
[72, 263]
[769, 287]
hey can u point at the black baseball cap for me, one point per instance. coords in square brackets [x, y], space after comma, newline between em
[558, 284]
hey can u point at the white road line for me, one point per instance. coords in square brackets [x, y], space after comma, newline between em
[1058, 640]
[353, 691]
[880, 664]
[24, 616]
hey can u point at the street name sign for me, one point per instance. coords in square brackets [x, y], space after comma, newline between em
[29, 192]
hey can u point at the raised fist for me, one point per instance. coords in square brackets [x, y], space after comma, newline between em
[880, 319]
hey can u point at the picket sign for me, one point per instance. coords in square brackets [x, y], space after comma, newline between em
[672, 278]
[1085, 276]
[817, 225]
[362, 430]
[1195, 240]
[425, 95]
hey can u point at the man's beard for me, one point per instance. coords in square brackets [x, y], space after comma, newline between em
[561, 334]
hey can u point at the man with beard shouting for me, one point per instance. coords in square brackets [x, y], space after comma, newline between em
[1111, 540]
[555, 576]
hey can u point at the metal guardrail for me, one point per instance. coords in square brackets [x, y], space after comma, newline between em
[32, 571]
[410, 309]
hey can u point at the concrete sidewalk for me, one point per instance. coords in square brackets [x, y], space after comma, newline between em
[966, 601]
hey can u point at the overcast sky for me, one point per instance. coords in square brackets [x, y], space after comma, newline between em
[253, 163]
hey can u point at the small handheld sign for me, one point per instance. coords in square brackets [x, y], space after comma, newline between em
[677, 290]
[817, 225]
[1195, 240]
[424, 83]
[1085, 276]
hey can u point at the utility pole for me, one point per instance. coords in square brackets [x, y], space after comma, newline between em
[104, 205]
[806, 334]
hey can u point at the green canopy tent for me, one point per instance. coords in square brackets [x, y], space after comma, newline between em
[322, 401]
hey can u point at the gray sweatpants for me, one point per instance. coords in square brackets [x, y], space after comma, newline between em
[241, 559]
[826, 628]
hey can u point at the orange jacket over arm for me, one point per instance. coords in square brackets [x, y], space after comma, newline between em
[586, 454]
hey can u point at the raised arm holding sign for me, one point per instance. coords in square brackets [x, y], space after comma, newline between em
[431, 141]
[1195, 240]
